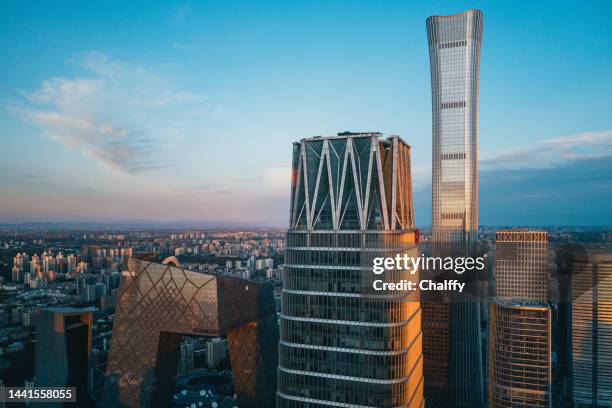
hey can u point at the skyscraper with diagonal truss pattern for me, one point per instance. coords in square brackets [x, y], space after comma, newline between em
[343, 343]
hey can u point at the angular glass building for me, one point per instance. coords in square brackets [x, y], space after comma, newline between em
[453, 354]
[344, 344]
[159, 303]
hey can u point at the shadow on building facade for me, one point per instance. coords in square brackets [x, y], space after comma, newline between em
[158, 303]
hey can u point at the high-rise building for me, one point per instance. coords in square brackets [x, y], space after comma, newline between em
[520, 345]
[454, 52]
[269, 263]
[591, 329]
[521, 264]
[519, 365]
[216, 352]
[342, 342]
[63, 346]
[159, 303]
[186, 360]
[452, 339]
[21, 265]
[17, 274]
[2, 404]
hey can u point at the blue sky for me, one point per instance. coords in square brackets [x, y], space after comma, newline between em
[123, 111]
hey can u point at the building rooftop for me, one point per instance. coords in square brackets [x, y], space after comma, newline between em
[69, 310]
[519, 303]
[343, 135]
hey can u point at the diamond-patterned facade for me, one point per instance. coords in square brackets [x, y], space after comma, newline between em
[159, 303]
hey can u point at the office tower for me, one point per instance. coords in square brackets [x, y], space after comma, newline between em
[27, 318]
[452, 340]
[63, 346]
[591, 328]
[520, 367]
[520, 345]
[89, 294]
[20, 266]
[342, 342]
[186, 360]
[269, 263]
[521, 264]
[16, 274]
[159, 303]
[216, 352]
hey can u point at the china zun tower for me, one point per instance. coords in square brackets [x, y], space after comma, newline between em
[452, 340]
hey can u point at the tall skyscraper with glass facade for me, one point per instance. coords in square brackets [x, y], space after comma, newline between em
[63, 348]
[453, 354]
[521, 264]
[520, 338]
[343, 343]
[520, 345]
[591, 328]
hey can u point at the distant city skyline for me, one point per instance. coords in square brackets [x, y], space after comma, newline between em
[185, 111]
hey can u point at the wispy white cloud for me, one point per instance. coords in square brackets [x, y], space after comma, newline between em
[111, 113]
[552, 152]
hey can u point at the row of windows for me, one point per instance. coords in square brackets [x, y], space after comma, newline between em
[452, 105]
[452, 156]
[351, 336]
[324, 280]
[526, 327]
[351, 364]
[538, 381]
[535, 358]
[452, 216]
[339, 280]
[453, 44]
[350, 240]
[346, 391]
[330, 257]
[304, 239]
[282, 402]
[345, 308]
[518, 315]
[517, 374]
[503, 398]
[327, 258]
